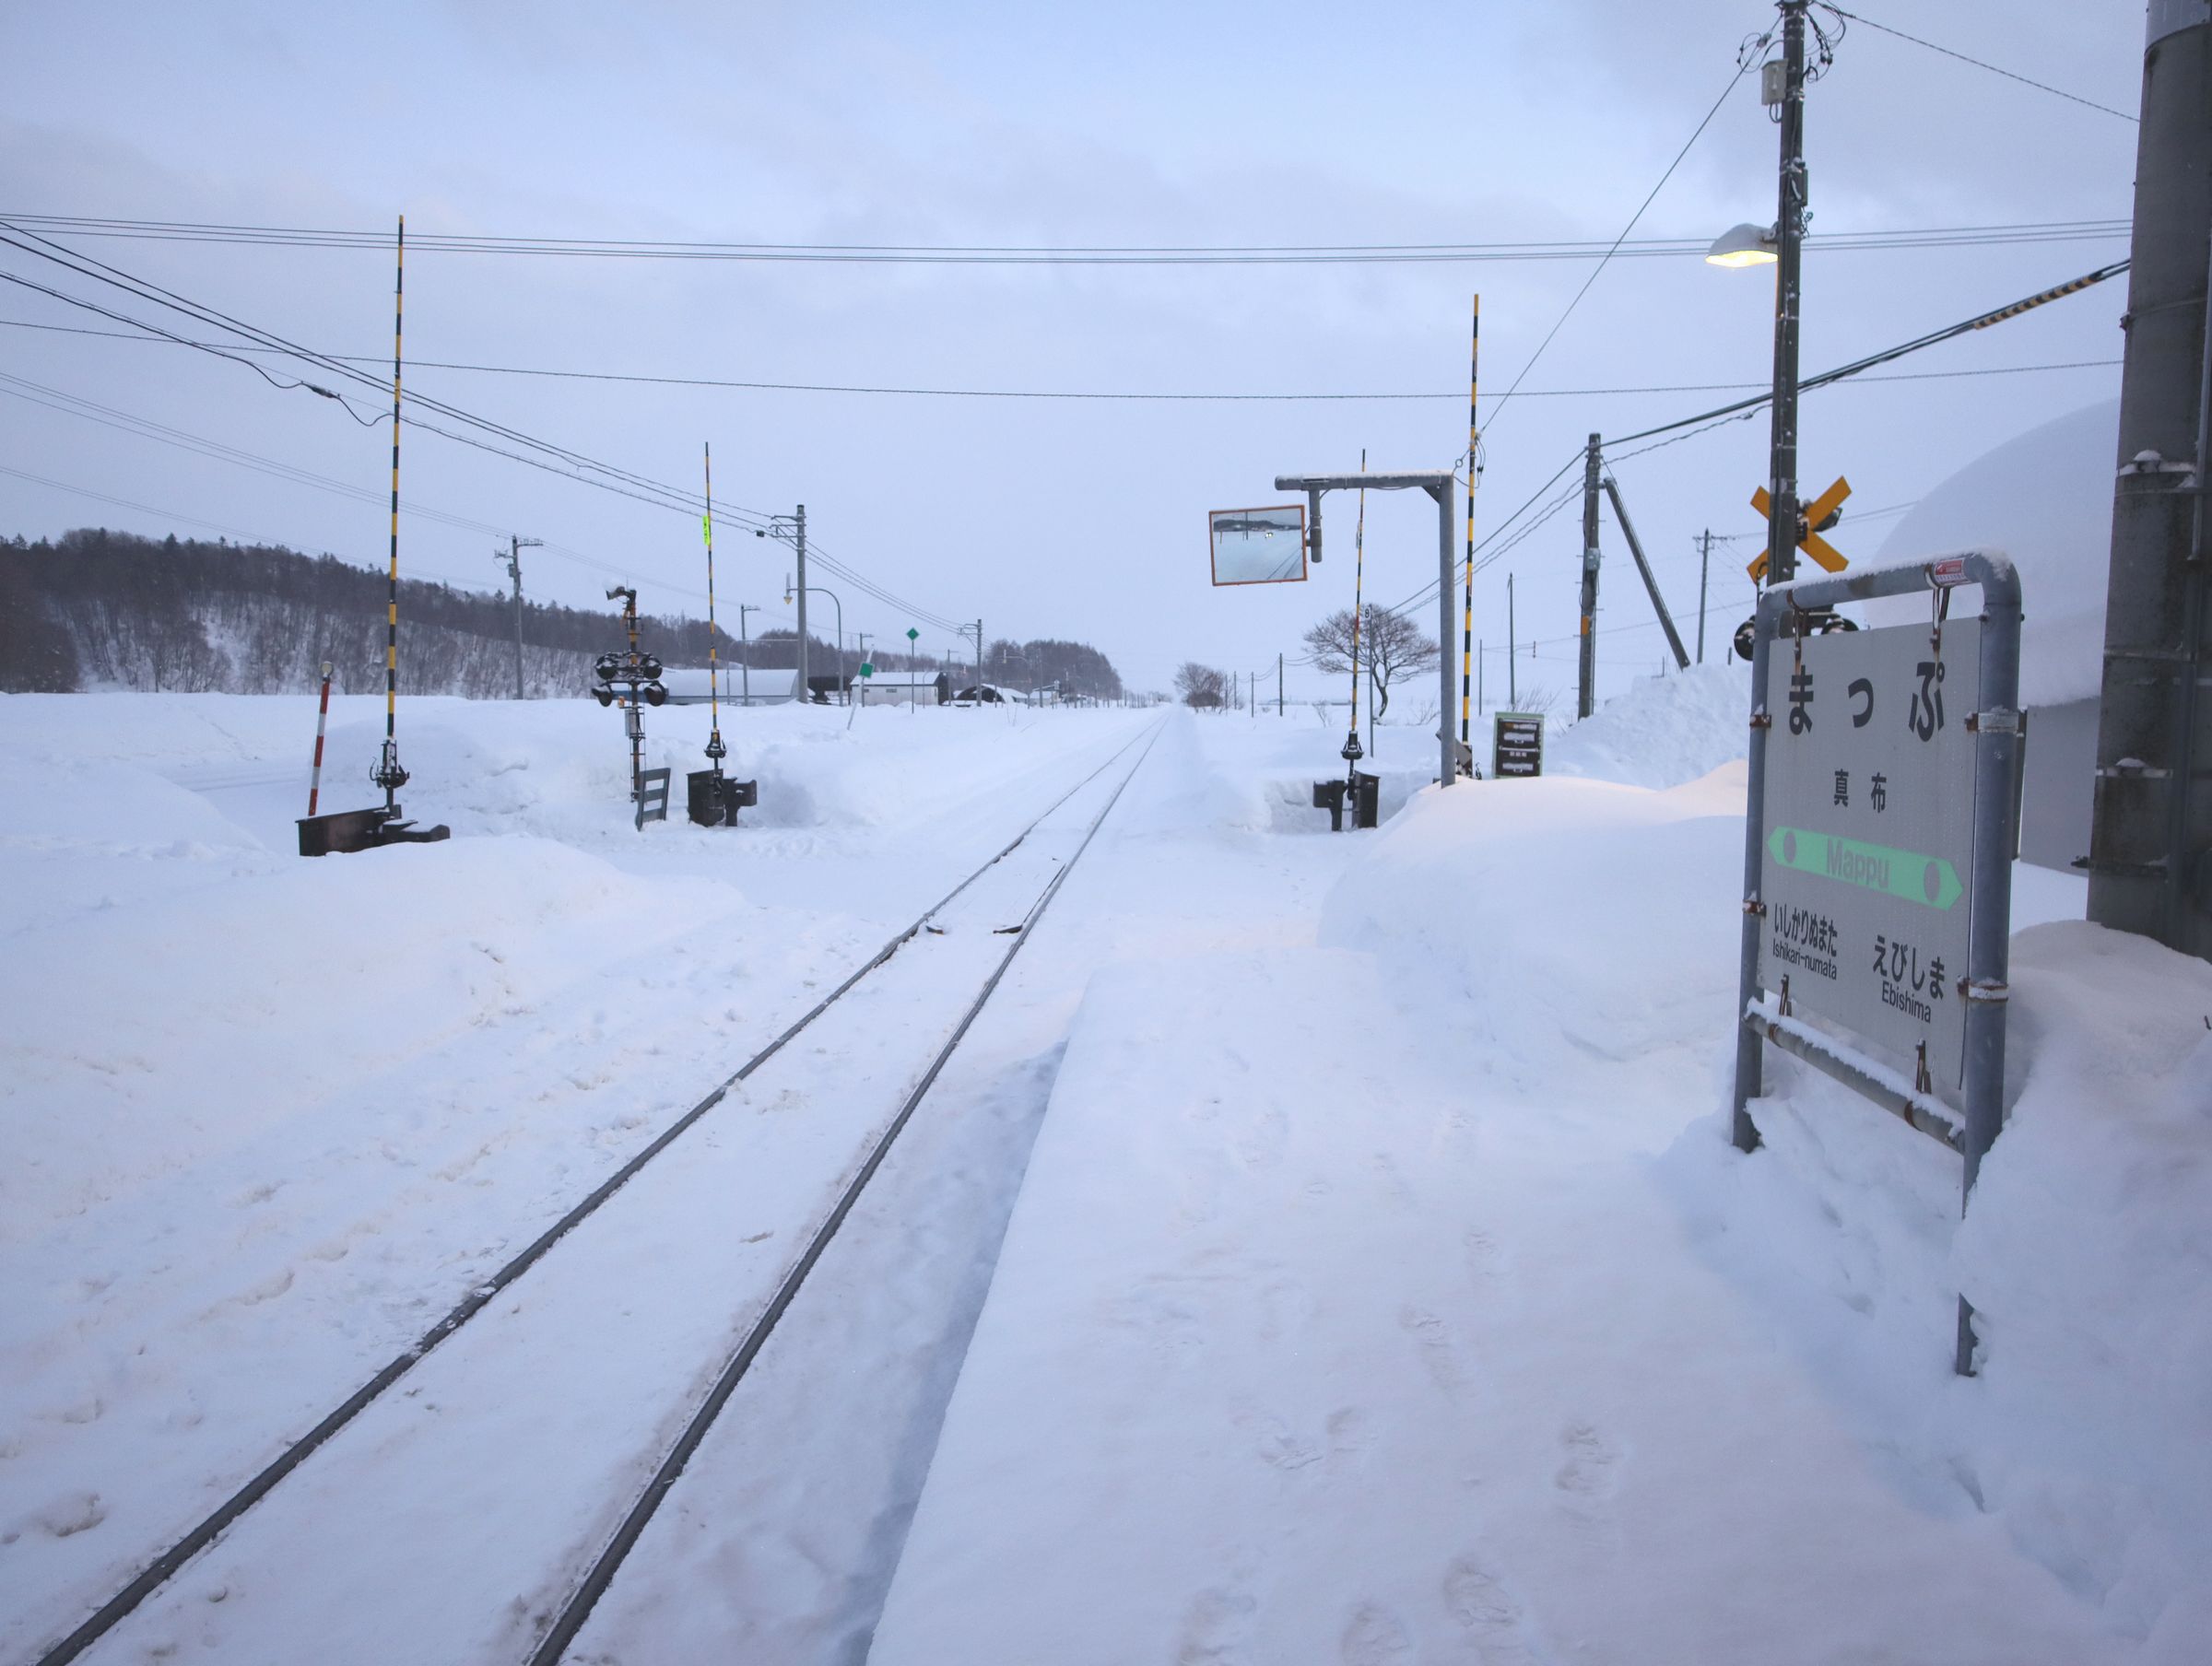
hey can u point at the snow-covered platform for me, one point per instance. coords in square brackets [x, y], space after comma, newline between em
[1401, 1299]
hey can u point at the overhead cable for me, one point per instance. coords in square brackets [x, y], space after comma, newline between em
[1979, 63]
[1065, 393]
[1622, 248]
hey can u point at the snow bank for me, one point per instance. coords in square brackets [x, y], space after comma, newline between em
[1562, 921]
[133, 1027]
[1662, 732]
[1372, 1302]
[2044, 499]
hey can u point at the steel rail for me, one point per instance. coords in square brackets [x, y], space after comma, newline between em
[166, 1565]
[577, 1609]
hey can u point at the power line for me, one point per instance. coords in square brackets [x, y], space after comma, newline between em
[1979, 63]
[145, 427]
[1950, 332]
[1051, 393]
[616, 479]
[1037, 255]
[1744, 62]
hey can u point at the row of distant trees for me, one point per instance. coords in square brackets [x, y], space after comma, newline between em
[99, 609]
[1077, 670]
[1389, 648]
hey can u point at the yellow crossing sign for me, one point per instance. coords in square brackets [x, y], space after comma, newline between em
[1821, 512]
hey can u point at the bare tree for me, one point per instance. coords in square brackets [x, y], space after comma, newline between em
[1392, 647]
[1201, 686]
[1538, 700]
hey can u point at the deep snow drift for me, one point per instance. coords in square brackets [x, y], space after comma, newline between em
[1403, 1299]
[1382, 1286]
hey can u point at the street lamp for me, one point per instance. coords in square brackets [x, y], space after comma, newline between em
[1744, 245]
[807, 693]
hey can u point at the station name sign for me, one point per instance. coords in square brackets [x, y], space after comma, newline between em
[1868, 840]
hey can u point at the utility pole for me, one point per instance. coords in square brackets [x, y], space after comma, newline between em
[1704, 566]
[745, 650]
[805, 693]
[1789, 249]
[1278, 684]
[513, 557]
[1512, 688]
[861, 638]
[2150, 833]
[1586, 687]
[792, 530]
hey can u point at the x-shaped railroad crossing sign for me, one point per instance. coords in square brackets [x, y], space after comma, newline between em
[1820, 513]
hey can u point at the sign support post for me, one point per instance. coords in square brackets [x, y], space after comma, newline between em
[1438, 485]
[1881, 878]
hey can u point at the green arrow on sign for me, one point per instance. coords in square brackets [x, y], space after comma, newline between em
[1907, 876]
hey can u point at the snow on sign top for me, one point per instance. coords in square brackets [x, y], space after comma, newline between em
[1258, 545]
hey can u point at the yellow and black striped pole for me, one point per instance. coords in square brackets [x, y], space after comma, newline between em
[1466, 628]
[716, 751]
[389, 775]
[1351, 739]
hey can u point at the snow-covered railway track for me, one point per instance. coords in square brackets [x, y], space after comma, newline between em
[999, 897]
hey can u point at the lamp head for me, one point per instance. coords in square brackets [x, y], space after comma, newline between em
[1745, 246]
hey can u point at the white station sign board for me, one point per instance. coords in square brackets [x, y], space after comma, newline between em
[1868, 853]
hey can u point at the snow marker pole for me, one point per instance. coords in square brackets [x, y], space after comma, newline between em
[315, 782]
[389, 775]
[716, 751]
[1466, 629]
[1351, 753]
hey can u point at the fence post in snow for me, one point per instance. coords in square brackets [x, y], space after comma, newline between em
[315, 782]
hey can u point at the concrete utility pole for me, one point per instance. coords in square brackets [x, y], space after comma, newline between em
[513, 557]
[1704, 566]
[1278, 684]
[1512, 688]
[1586, 687]
[792, 530]
[2150, 834]
[1788, 249]
[805, 694]
[1438, 485]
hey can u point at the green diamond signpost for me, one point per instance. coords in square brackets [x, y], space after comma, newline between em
[1882, 818]
[912, 688]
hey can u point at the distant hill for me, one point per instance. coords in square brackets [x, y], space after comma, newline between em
[96, 609]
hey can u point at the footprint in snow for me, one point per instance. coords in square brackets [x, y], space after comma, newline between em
[1375, 1636]
[1438, 1349]
[1489, 1615]
[1587, 1480]
[1215, 1627]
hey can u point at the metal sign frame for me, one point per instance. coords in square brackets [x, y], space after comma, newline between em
[1213, 552]
[1995, 724]
[1500, 747]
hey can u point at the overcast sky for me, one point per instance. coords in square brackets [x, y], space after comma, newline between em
[1134, 125]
